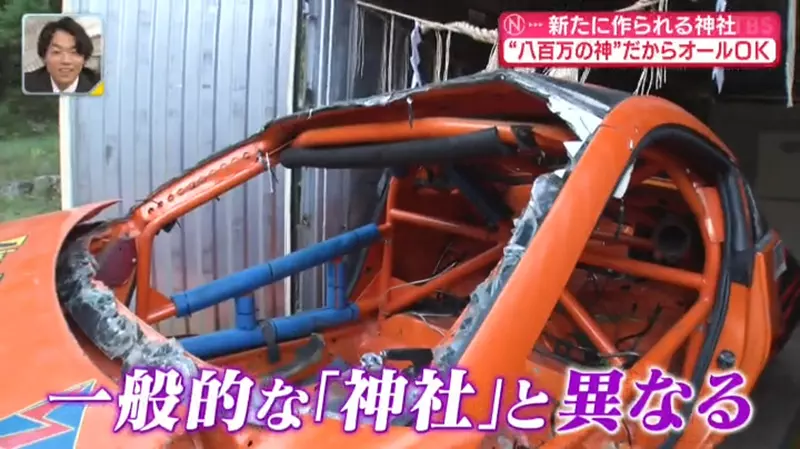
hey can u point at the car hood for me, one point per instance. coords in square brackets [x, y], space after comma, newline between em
[38, 343]
[47, 358]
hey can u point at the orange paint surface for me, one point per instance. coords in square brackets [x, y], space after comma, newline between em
[596, 273]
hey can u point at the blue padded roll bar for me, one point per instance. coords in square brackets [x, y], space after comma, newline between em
[253, 278]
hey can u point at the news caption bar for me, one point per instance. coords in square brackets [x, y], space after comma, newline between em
[149, 399]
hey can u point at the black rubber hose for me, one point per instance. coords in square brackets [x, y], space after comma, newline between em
[715, 324]
[361, 259]
[484, 143]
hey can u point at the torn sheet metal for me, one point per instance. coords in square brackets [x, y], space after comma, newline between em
[582, 108]
[93, 307]
[543, 195]
[566, 97]
[582, 124]
[544, 192]
[583, 114]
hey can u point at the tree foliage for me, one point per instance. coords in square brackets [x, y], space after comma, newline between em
[19, 114]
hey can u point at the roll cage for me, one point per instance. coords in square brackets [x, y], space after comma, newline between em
[606, 138]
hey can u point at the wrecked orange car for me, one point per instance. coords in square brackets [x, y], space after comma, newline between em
[525, 225]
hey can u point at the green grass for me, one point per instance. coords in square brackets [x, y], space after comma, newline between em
[28, 157]
[23, 159]
[22, 207]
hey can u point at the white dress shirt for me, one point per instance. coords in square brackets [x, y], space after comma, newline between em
[69, 90]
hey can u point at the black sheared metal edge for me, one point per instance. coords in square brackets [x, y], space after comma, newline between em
[595, 99]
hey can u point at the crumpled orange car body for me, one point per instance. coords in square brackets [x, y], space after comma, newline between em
[523, 225]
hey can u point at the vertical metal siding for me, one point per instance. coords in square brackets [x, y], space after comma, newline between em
[332, 201]
[324, 193]
[183, 79]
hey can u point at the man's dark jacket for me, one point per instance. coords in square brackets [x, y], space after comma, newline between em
[38, 81]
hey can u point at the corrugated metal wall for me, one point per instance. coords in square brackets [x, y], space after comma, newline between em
[184, 78]
[346, 56]
[326, 45]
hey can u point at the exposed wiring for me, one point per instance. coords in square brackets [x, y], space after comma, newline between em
[420, 281]
[436, 273]
[588, 352]
[599, 290]
[405, 284]
[442, 256]
[420, 315]
[638, 336]
[423, 317]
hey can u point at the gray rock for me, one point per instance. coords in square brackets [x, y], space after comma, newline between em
[16, 189]
[47, 186]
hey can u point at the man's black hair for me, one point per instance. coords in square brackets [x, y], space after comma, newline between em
[83, 43]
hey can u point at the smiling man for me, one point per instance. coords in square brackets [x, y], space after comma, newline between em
[64, 47]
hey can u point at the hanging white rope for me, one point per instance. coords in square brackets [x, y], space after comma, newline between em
[479, 34]
[447, 54]
[650, 78]
[384, 60]
[357, 42]
[438, 57]
[415, 40]
[390, 67]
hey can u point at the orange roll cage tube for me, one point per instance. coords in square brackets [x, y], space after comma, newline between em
[602, 230]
